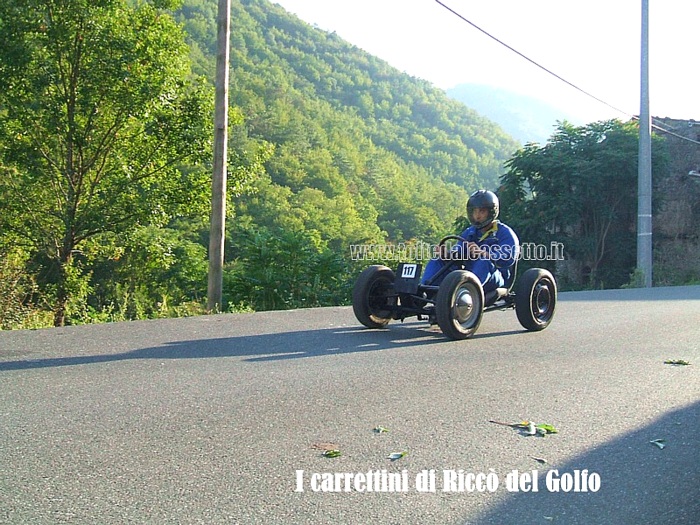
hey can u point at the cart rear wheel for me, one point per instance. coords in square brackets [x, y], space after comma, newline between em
[536, 299]
[372, 296]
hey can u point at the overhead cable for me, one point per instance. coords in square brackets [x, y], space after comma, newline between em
[550, 72]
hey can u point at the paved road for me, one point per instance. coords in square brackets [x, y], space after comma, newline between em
[207, 420]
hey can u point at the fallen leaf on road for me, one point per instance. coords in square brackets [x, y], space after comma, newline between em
[661, 443]
[676, 362]
[531, 430]
[549, 429]
[528, 428]
[332, 453]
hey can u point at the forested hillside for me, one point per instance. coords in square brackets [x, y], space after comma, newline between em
[360, 153]
[106, 126]
[347, 124]
[104, 212]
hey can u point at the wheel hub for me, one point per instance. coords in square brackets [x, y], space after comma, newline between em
[464, 305]
[542, 299]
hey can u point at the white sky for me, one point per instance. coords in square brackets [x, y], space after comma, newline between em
[594, 44]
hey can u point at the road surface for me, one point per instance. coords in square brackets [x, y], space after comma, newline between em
[222, 419]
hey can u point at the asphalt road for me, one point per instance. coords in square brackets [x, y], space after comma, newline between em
[208, 419]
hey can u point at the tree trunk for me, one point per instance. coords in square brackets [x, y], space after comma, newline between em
[59, 317]
[65, 257]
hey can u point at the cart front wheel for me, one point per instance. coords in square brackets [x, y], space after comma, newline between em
[459, 305]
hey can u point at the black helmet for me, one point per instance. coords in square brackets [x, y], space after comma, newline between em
[483, 199]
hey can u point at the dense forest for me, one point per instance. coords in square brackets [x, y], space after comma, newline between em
[353, 137]
[362, 152]
[329, 147]
[105, 155]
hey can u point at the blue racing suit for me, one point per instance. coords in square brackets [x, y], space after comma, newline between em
[494, 269]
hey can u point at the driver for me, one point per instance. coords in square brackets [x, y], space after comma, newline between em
[490, 248]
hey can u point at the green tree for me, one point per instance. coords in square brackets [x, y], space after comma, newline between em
[580, 189]
[153, 271]
[274, 269]
[15, 287]
[98, 114]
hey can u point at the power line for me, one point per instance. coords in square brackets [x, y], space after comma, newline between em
[550, 72]
[669, 132]
[529, 59]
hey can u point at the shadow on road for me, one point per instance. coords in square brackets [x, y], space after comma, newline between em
[267, 347]
[640, 483]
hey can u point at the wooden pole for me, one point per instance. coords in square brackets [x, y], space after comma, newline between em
[218, 194]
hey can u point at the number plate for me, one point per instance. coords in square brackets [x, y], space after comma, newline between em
[408, 271]
[408, 278]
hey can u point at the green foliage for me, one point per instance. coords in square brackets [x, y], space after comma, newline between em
[151, 272]
[105, 152]
[16, 288]
[98, 117]
[580, 189]
[636, 279]
[273, 269]
[349, 125]
[358, 153]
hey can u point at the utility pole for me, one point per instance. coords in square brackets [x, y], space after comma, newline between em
[218, 194]
[644, 224]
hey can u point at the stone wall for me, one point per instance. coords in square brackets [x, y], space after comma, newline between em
[677, 223]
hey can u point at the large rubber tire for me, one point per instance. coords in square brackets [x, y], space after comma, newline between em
[371, 296]
[459, 304]
[535, 299]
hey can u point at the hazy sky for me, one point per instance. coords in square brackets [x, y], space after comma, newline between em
[594, 44]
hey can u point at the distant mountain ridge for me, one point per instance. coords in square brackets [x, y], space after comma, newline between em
[525, 118]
